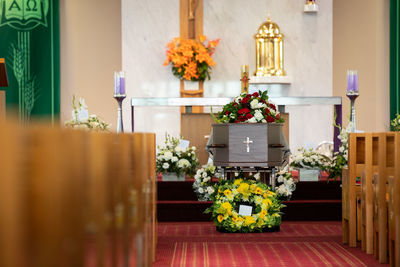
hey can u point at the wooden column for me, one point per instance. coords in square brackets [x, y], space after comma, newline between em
[191, 27]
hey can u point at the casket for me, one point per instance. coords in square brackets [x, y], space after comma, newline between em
[248, 145]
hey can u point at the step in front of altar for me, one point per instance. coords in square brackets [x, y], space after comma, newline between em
[318, 201]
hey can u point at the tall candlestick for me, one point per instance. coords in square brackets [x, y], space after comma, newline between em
[119, 95]
[352, 94]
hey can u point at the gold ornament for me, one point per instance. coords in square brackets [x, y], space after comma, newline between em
[269, 50]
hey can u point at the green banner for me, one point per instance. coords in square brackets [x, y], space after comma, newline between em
[394, 58]
[30, 43]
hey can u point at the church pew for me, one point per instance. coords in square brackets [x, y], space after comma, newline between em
[53, 198]
[144, 184]
[386, 147]
[80, 203]
[357, 162]
[370, 167]
[12, 251]
[394, 208]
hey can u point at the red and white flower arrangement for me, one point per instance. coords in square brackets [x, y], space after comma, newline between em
[250, 108]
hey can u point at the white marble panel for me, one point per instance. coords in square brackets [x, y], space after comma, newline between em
[147, 27]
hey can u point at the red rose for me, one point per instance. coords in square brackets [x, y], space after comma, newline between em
[245, 100]
[272, 106]
[270, 118]
[255, 94]
[278, 116]
[242, 118]
[235, 105]
[243, 111]
[249, 116]
[226, 112]
[237, 121]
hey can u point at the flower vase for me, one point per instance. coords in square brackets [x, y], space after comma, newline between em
[191, 85]
[309, 175]
[171, 176]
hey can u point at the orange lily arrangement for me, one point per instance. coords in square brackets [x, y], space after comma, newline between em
[191, 60]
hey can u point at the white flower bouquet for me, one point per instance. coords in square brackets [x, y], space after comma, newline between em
[309, 159]
[203, 185]
[285, 184]
[172, 158]
[82, 120]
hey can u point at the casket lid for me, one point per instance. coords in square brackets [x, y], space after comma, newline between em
[268, 29]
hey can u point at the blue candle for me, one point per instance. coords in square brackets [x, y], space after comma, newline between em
[122, 83]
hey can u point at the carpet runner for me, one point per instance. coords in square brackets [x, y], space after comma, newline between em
[297, 244]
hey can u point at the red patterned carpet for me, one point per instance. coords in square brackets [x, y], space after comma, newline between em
[297, 244]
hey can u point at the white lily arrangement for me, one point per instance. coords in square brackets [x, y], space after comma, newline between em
[172, 158]
[82, 120]
[309, 159]
[285, 184]
[203, 185]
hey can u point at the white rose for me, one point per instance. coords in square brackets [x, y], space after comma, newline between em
[264, 121]
[204, 174]
[168, 155]
[165, 165]
[174, 159]
[210, 190]
[280, 179]
[201, 190]
[193, 148]
[183, 163]
[252, 120]
[254, 104]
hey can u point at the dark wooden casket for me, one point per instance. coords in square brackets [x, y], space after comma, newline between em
[248, 145]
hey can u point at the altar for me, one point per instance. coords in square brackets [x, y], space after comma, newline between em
[281, 102]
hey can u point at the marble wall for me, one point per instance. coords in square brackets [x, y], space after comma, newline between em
[149, 25]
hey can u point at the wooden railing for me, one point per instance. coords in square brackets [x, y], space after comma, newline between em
[371, 210]
[76, 198]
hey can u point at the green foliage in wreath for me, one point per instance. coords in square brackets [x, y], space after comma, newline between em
[230, 194]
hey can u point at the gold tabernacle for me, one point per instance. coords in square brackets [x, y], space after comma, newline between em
[269, 50]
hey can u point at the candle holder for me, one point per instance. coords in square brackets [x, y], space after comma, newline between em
[352, 95]
[120, 123]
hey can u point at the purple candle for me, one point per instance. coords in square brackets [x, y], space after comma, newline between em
[116, 83]
[122, 83]
[350, 81]
[355, 81]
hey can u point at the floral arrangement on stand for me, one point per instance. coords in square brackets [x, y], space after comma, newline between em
[230, 195]
[82, 120]
[285, 184]
[191, 60]
[395, 123]
[203, 182]
[172, 158]
[249, 108]
[308, 159]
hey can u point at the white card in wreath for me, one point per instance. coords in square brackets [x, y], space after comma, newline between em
[184, 143]
[245, 210]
